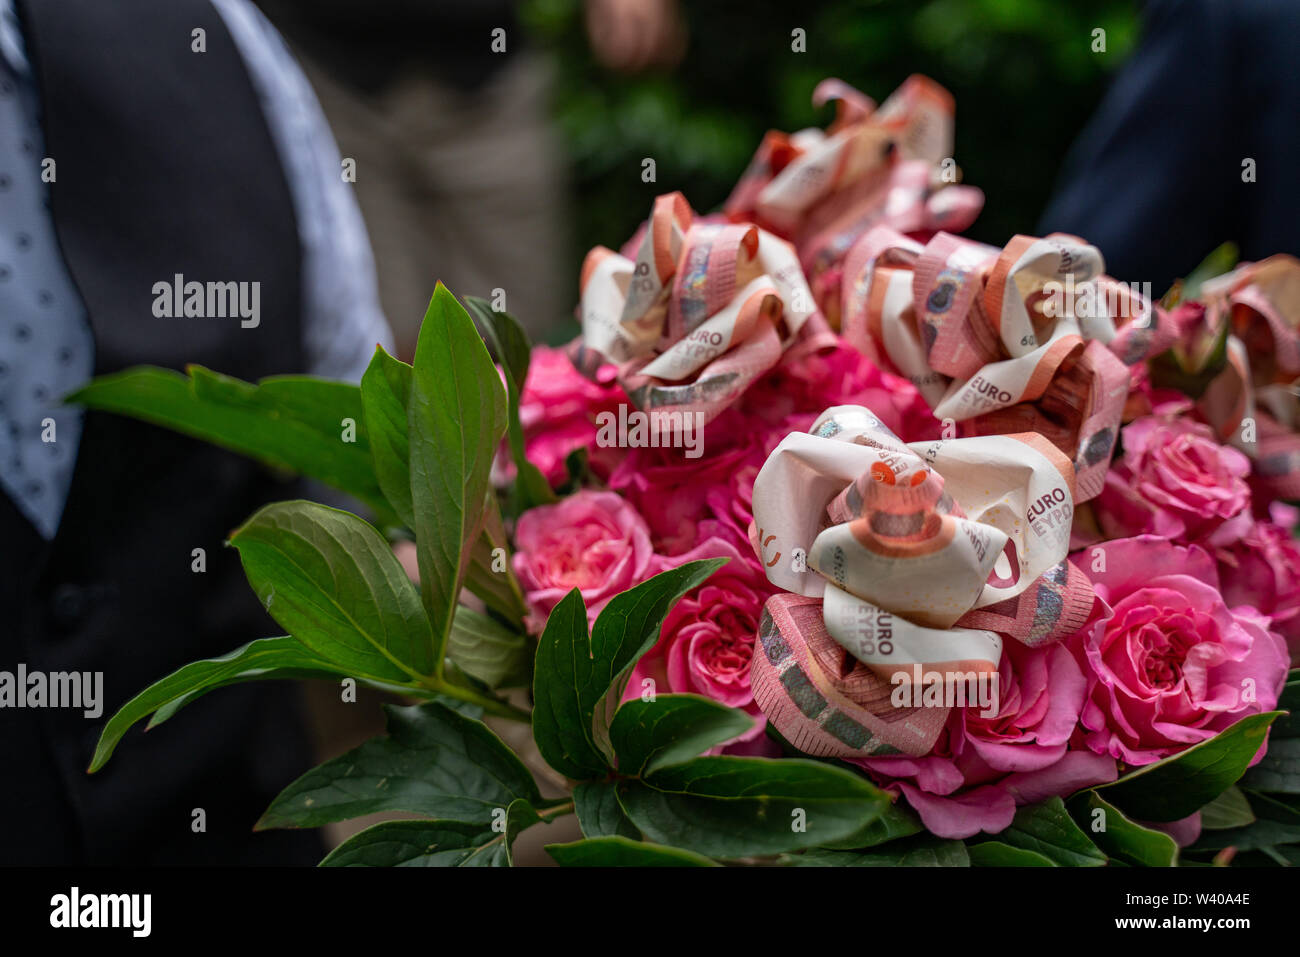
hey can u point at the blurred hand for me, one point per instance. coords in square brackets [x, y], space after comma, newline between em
[633, 35]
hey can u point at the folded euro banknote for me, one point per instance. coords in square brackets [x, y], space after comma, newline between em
[872, 166]
[1033, 337]
[698, 311]
[897, 562]
[1253, 402]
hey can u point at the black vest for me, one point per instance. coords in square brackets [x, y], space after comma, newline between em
[165, 165]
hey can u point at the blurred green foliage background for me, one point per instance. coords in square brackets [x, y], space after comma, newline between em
[1022, 71]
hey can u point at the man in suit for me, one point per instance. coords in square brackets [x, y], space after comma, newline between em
[141, 141]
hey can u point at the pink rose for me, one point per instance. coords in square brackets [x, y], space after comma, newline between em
[808, 384]
[983, 767]
[1178, 482]
[707, 639]
[592, 541]
[1263, 570]
[1171, 664]
[558, 407]
[673, 491]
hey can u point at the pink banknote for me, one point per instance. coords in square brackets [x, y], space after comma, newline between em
[699, 312]
[1033, 337]
[890, 165]
[924, 556]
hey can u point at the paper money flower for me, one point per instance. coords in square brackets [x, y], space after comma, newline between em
[1171, 665]
[907, 565]
[699, 314]
[1030, 338]
[1249, 342]
[889, 166]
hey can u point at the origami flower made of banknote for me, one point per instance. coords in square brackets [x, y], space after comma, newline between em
[702, 311]
[1254, 401]
[889, 166]
[902, 562]
[1030, 338]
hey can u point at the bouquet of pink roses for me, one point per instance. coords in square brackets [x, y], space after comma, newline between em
[833, 539]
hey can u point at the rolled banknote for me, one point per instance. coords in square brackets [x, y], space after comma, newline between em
[1254, 402]
[924, 556]
[700, 311]
[1033, 337]
[824, 189]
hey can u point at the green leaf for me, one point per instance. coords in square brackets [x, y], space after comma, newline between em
[332, 581]
[1221, 260]
[288, 422]
[671, 728]
[434, 761]
[562, 714]
[618, 851]
[1229, 809]
[895, 822]
[1183, 783]
[385, 393]
[1253, 837]
[926, 851]
[1279, 770]
[736, 807]
[410, 844]
[487, 650]
[497, 587]
[284, 657]
[499, 852]
[575, 671]
[599, 813]
[510, 343]
[1288, 726]
[1121, 837]
[457, 416]
[997, 854]
[1047, 829]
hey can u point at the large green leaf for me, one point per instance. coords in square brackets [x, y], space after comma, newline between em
[434, 761]
[333, 582]
[1180, 785]
[1253, 837]
[487, 650]
[456, 418]
[617, 851]
[671, 728]
[1279, 770]
[576, 672]
[282, 657]
[599, 813]
[997, 854]
[411, 844]
[737, 807]
[289, 422]
[510, 343]
[1288, 726]
[925, 851]
[1229, 809]
[1046, 828]
[489, 575]
[385, 393]
[562, 714]
[1120, 837]
[895, 821]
